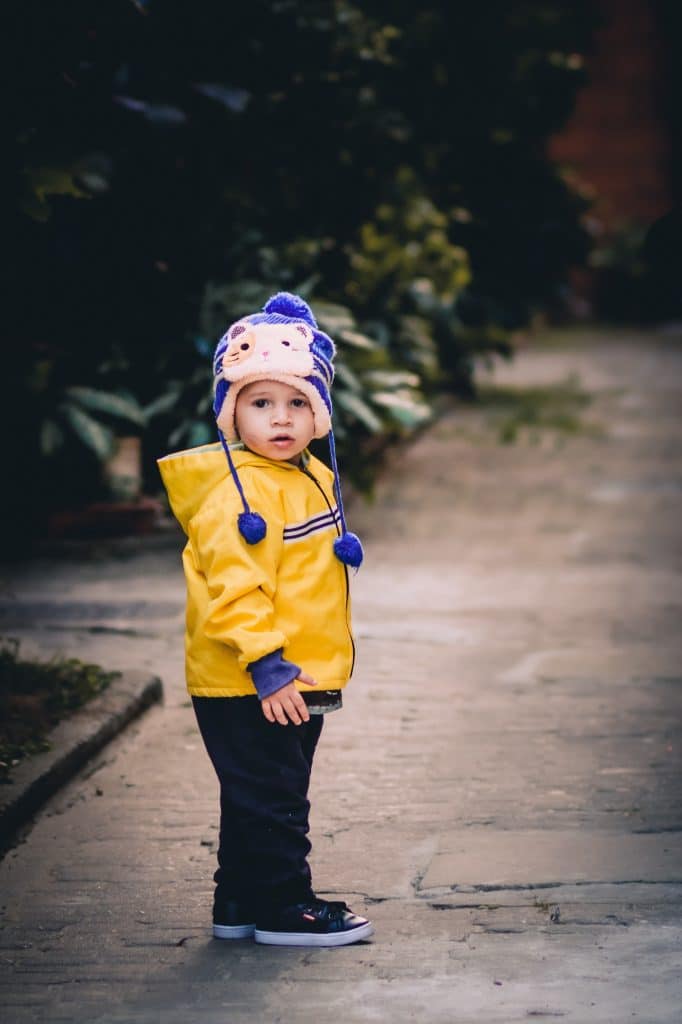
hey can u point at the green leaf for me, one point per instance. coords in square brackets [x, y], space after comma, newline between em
[333, 319]
[340, 431]
[191, 433]
[180, 432]
[164, 403]
[347, 377]
[221, 304]
[356, 339]
[199, 433]
[51, 437]
[204, 404]
[358, 408]
[305, 288]
[403, 407]
[93, 434]
[392, 379]
[125, 408]
[53, 181]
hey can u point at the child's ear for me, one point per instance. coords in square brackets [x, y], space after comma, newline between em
[322, 345]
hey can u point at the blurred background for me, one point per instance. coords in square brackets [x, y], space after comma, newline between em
[436, 178]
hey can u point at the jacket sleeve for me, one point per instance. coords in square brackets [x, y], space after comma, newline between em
[271, 673]
[241, 581]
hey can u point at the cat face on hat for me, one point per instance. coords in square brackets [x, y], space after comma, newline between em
[254, 348]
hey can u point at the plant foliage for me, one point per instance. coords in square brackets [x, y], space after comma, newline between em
[35, 696]
[170, 165]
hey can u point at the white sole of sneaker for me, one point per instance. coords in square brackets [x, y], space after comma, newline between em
[363, 931]
[233, 931]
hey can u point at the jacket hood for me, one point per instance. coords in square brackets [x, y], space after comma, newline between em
[190, 476]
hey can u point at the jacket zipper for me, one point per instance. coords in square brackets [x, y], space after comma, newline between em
[310, 476]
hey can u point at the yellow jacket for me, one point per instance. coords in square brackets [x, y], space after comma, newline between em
[246, 601]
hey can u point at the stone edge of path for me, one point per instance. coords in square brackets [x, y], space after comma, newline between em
[72, 743]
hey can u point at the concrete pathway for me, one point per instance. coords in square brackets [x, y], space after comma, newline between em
[501, 793]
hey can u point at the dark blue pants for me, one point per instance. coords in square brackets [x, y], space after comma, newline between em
[264, 773]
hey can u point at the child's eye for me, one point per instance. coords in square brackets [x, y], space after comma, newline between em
[260, 403]
[299, 403]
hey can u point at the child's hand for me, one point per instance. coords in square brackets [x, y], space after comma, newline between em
[287, 704]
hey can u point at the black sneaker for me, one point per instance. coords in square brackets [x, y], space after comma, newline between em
[316, 923]
[231, 921]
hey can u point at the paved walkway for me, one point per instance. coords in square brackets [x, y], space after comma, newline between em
[501, 793]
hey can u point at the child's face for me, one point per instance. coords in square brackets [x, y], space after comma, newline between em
[273, 419]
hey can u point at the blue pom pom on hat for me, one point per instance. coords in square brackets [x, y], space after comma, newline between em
[282, 343]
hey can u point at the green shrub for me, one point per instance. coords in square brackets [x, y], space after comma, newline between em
[385, 158]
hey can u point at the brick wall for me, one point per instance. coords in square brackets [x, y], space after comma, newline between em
[619, 140]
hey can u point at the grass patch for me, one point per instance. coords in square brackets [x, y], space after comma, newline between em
[35, 696]
[556, 407]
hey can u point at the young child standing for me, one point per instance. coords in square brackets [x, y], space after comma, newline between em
[268, 635]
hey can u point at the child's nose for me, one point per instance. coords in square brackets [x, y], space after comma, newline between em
[282, 414]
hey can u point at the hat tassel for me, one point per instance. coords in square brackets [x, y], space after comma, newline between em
[251, 525]
[347, 547]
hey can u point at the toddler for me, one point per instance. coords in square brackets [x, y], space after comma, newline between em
[269, 646]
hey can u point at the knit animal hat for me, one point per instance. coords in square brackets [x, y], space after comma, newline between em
[282, 343]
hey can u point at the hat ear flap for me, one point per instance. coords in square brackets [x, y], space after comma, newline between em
[221, 389]
[323, 346]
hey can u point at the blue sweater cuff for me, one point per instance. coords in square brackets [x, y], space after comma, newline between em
[271, 673]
